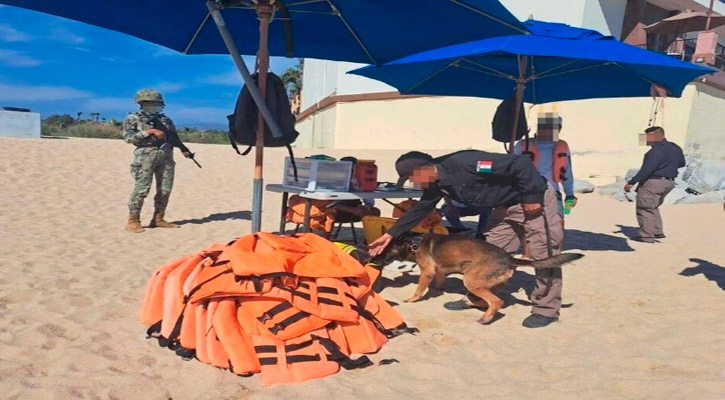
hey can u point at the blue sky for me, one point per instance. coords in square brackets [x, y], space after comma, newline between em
[58, 66]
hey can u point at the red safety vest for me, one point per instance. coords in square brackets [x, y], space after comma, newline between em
[561, 157]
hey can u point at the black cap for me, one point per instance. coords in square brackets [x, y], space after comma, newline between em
[408, 162]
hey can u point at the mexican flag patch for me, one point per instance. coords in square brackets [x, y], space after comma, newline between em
[484, 166]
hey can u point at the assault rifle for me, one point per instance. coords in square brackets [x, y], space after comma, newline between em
[172, 139]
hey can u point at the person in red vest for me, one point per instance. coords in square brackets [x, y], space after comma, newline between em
[552, 158]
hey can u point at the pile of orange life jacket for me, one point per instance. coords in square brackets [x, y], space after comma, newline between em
[291, 307]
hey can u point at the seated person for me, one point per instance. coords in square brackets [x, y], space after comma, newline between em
[453, 211]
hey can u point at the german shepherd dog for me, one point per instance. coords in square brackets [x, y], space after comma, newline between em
[483, 265]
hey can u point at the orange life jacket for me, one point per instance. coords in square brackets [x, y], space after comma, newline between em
[322, 217]
[561, 157]
[294, 308]
[430, 221]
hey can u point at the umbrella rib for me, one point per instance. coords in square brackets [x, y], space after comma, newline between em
[493, 71]
[560, 66]
[196, 34]
[489, 16]
[431, 76]
[604, 64]
[337, 12]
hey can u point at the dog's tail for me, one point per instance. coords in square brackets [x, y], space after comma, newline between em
[551, 262]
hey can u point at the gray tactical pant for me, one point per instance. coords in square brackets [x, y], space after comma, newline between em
[508, 224]
[650, 196]
[150, 162]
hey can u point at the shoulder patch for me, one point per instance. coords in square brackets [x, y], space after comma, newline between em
[484, 166]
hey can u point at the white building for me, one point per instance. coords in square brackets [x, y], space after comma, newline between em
[351, 112]
[19, 124]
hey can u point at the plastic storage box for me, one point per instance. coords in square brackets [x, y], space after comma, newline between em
[316, 175]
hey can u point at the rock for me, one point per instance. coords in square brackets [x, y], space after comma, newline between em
[626, 197]
[676, 195]
[704, 175]
[582, 186]
[630, 174]
[611, 189]
[710, 197]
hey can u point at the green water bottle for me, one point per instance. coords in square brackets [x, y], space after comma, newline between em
[569, 204]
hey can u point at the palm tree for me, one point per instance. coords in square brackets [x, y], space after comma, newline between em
[79, 113]
[292, 79]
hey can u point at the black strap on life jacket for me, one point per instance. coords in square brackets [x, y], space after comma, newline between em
[257, 279]
[287, 322]
[389, 333]
[269, 314]
[332, 349]
[336, 355]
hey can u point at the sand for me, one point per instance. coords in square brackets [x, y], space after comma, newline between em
[646, 321]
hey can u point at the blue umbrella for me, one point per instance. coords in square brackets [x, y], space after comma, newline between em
[554, 63]
[369, 31]
[364, 31]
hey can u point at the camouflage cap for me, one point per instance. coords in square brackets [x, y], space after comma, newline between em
[144, 95]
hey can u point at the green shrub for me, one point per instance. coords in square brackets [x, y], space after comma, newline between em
[113, 130]
[86, 130]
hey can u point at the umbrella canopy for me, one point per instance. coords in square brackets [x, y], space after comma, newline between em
[686, 21]
[370, 31]
[559, 63]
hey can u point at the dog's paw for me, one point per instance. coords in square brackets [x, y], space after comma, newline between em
[489, 320]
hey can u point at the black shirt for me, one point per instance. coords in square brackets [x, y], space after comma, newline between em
[661, 161]
[478, 179]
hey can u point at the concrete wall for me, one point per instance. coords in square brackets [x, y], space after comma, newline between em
[19, 124]
[319, 130]
[319, 80]
[706, 130]
[605, 16]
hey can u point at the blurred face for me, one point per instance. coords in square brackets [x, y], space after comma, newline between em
[548, 131]
[423, 177]
[653, 137]
[152, 107]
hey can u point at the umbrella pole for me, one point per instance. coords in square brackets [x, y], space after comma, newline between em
[264, 11]
[709, 15]
[258, 99]
[520, 86]
[246, 76]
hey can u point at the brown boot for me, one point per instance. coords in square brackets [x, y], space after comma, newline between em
[158, 222]
[134, 224]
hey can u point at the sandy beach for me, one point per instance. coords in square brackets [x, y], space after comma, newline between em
[645, 321]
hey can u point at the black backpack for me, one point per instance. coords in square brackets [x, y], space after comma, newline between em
[503, 121]
[243, 123]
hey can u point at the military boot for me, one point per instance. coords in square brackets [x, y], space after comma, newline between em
[134, 224]
[158, 222]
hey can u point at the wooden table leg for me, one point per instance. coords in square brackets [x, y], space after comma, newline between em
[283, 215]
[308, 207]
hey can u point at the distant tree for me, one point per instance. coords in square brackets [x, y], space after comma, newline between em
[79, 113]
[95, 115]
[61, 120]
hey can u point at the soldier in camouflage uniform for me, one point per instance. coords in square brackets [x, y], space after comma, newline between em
[151, 159]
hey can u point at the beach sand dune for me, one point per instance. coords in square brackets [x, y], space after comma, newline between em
[645, 321]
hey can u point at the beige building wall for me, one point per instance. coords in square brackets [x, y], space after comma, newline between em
[602, 133]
